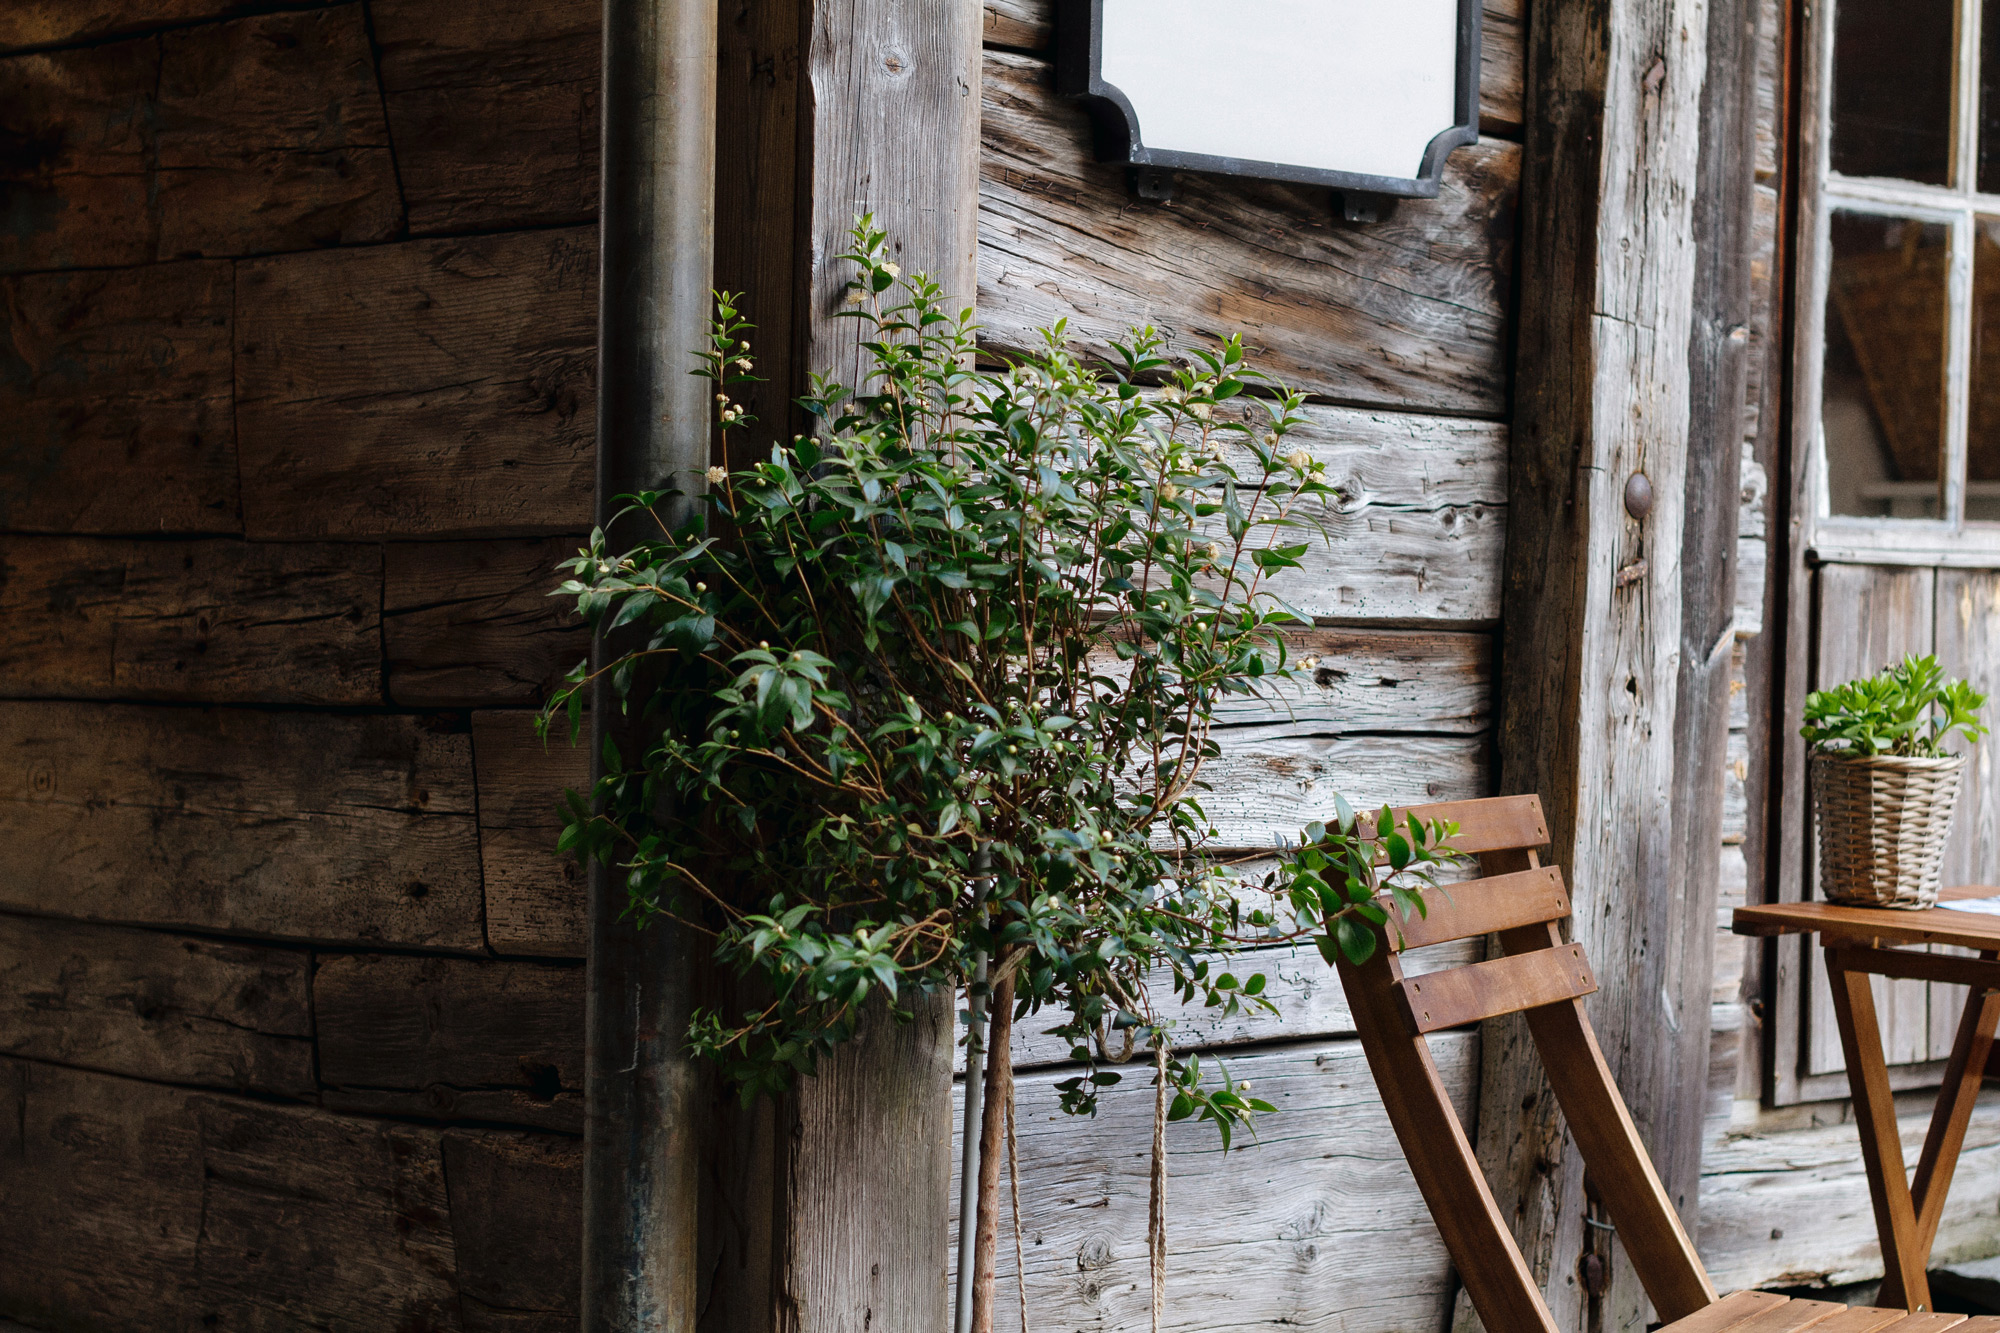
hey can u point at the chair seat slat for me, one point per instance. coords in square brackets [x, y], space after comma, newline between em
[1483, 907]
[1731, 1312]
[1479, 991]
[1864, 1319]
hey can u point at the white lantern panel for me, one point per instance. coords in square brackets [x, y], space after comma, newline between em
[1358, 86]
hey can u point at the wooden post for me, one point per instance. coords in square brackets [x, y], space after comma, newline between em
[831, 109]
[1611, 677]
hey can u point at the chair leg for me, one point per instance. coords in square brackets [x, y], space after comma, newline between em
[1903, 1255]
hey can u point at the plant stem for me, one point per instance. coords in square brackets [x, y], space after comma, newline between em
[968, 1160]
[992, 1143]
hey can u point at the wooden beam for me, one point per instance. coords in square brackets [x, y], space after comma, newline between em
[285, 826]
[472, 623]
[433, 388]
[1594, 604]
[829, 111]
[207, 621]
[247, 137]
[147, 1004]
[115, 388]
[451, 1039]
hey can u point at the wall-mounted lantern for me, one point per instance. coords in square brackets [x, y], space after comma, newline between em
[1366, 96]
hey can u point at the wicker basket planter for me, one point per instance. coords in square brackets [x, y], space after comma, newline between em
[1883, 821]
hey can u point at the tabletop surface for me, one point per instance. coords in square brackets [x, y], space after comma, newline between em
[1889, 925]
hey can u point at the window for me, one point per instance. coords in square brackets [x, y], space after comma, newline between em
[1897, 423]
[1903, 257]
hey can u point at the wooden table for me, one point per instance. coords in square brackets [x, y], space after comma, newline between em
[1861, 942]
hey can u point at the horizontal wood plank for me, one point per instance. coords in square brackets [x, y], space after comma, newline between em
[434, 1026]
[309, 827]
[30, 23]
[493, 104]
[204, 621]
[534, 897]
[103, 1180]
[172, 1008]
[434, 388]
[1409, 313]
[1269, 783]
[1482, 907]
[515, 1278]
[310, 1219]
[1311, 1005]
[473, 623]
[1029, 25]
[1320, 1204]
[1788, 1205]
[245, 137]
[116, 389]
[1508, 985]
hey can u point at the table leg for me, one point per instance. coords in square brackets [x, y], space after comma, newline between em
[1903, 1259]
[1956, 1096]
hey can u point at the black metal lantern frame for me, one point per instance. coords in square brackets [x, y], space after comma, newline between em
[1120, 137]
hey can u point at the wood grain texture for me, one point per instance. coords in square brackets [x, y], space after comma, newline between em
[1029, 25]
[1377, 680]
[171, 1008]
[1269, 782]
[244, 137]
[517, 1224]
[888, 101]
[309, 1218]
[534, 897]
[1407, 313]
[28, 23]
[493, 106]
[1311, 1004]
[508, 1033]
[1789, 1206]
[1592, 604]
[473, 623]
[313, 827]
[103, 1178]
[207, 621]
[1320, 1207]
[116, 388]
[1478, 991]
[866, 1177]
[434, 388]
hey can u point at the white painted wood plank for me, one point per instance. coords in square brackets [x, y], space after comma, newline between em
[1269, 782]
[1308, 994]
[1316, 1226]
[1791, 1207]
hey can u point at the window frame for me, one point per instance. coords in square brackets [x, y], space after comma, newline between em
[1828, 538]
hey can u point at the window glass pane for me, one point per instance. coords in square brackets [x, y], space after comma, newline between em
[1982, 445]
[1892, 96]
[1989, 96]
[1882, 405]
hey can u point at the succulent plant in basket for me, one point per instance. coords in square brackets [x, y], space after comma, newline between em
[1883, 784]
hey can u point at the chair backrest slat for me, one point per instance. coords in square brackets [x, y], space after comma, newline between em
[1483, 907]
[1509, 985]
[1496, 824]
[1543, 977]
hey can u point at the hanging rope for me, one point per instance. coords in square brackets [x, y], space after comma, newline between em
[1156, 1222]
[1014, 1189]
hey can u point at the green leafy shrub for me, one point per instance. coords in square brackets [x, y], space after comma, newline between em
[938, 679]
[1910, 710]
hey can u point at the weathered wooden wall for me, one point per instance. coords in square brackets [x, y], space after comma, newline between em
[298, 381]
[298, 387]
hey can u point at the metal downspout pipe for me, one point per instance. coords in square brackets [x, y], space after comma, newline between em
[641, 1173]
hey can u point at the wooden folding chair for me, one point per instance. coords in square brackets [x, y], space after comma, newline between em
[1543, 978]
